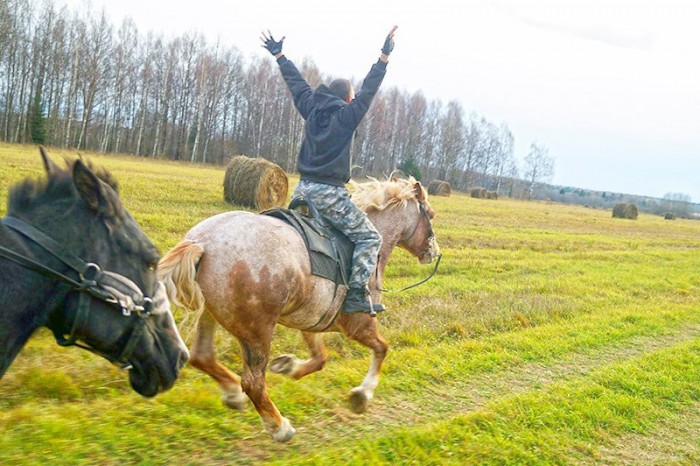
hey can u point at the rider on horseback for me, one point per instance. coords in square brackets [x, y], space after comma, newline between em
[332, 113]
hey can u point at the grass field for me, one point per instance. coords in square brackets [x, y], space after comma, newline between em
[552, 334]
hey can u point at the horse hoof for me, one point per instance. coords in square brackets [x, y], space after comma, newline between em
[358, 401]
[283, 364]
[285, 432]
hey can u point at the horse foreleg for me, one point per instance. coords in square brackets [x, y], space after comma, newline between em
[289, 364]
[363, 329]
[255, 355]
[203, 357]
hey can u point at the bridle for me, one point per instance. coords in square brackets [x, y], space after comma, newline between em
[431, 241]
[431, 232]
[92, 283]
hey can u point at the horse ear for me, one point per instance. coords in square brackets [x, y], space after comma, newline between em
[49, 165]
[420, 194]
[98, 195]
[88, 186]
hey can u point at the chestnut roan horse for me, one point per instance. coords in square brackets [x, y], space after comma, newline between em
[74, 260]
[248, 272]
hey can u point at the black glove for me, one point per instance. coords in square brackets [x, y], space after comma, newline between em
[269, 42]
[388, 45]
[389, 42]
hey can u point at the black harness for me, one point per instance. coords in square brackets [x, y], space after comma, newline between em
[92, 283]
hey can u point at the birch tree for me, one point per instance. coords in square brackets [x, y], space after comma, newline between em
[539, 167]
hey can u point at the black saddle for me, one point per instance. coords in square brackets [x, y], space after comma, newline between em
[329, 249]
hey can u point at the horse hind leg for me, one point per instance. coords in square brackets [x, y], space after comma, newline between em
[289, 364]
[203, 357]
[236, 391]
[363, 329]
[255, 356]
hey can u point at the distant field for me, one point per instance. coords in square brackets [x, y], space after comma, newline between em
[552, 334]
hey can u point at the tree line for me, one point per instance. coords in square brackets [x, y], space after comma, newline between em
[75, 80]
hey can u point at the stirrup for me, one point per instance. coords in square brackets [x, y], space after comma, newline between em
[360, 301]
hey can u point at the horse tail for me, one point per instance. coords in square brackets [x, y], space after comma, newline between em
[178, 272]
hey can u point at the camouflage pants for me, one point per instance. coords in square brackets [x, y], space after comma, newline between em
[333, 202]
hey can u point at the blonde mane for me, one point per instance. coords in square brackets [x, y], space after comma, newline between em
[376, 195]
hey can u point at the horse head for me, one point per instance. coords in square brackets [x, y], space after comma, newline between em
[418, 236]
[102, 292]
[400, 210]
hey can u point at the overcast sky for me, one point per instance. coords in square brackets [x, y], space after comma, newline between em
[611, 88]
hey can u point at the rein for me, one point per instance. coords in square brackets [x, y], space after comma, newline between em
[437, 263]
[108, 287]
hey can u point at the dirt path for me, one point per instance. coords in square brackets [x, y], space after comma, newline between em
[471, 394]
[674, 441]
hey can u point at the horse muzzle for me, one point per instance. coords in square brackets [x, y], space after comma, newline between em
[429, 255]
[161, 354]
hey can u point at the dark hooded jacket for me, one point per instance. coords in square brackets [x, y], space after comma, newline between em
[324, 156]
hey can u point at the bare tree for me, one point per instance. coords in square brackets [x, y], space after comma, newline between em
[230, 101]
[539, 167]
[469, 156]
[18, 26]
[415, 121]
[451, 139]
[510, 176]
[503, 162]
[120, 78]
[428, 147]
[677, 204]
[398, 133]
[372, 155]
[164, 68]
[95, 50]
[487, 149]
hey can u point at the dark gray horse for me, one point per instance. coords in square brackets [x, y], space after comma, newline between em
[74, 260]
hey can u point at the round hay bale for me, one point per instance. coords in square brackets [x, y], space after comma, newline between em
[669, 216]
[439, 188]
[479, 193]
[255, 183]
[618, 210]
[491, 195]
[628, 211]
[631, 212]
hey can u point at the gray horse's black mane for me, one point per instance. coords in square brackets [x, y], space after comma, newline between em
[58, 185]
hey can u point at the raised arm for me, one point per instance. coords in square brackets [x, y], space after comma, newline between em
[352, 114]
[300, 89]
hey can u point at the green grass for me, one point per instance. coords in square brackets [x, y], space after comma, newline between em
[552, 334]
[556, 426]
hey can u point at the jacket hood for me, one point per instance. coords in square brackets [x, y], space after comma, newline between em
[326, 100]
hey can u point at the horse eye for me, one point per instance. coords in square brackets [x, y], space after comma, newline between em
[152, 266]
